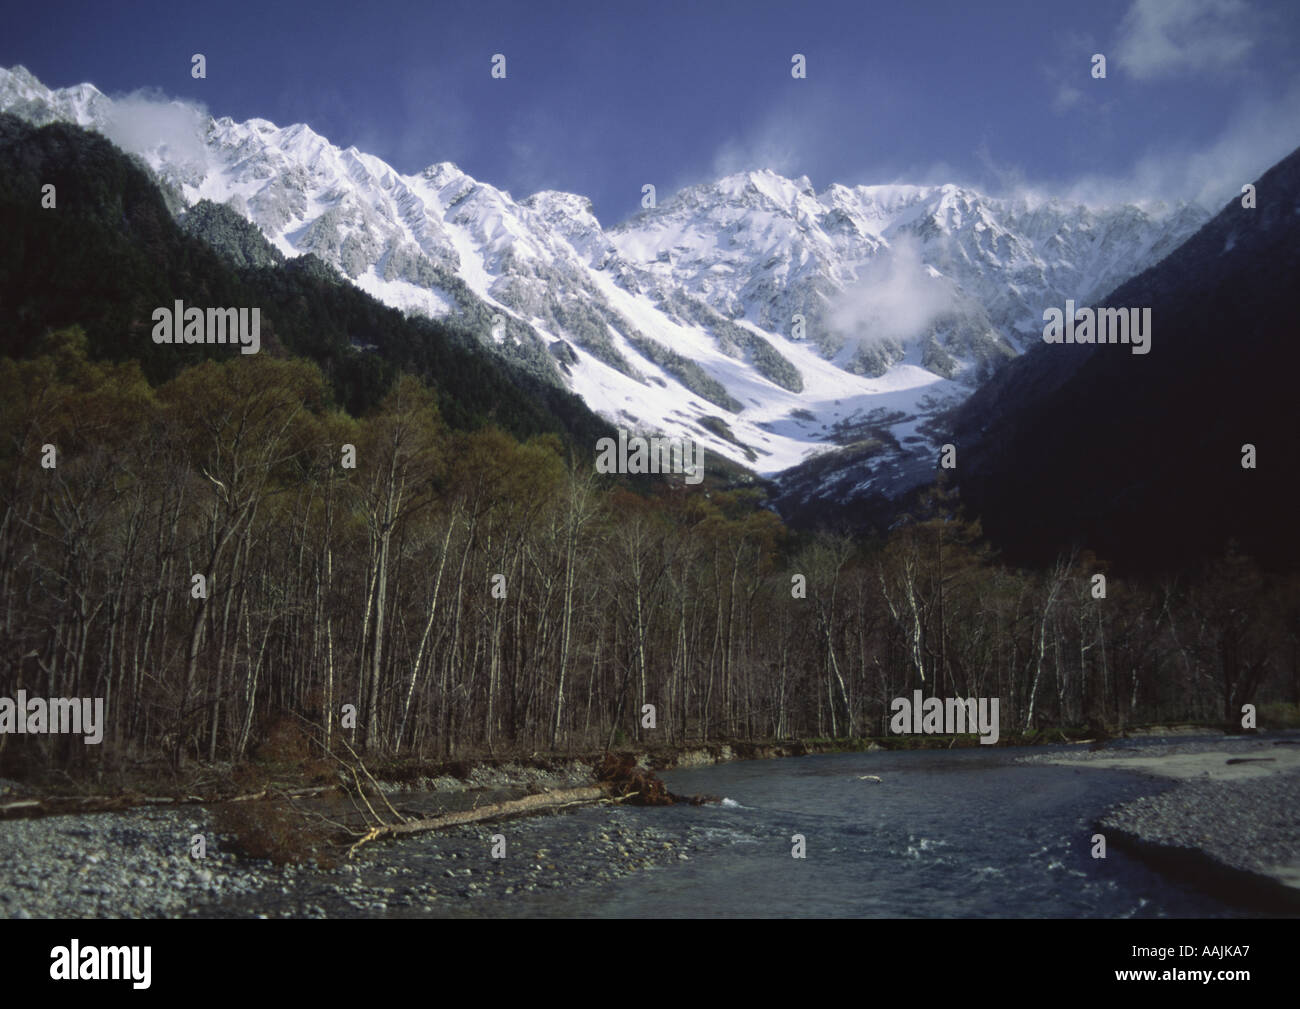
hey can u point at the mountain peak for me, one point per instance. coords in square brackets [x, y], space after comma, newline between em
[21, 74]
[682, 314]
[766, 183]
[23, 94]
[442, 172]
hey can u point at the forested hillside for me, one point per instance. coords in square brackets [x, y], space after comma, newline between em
[110, 252]
[1141, 456]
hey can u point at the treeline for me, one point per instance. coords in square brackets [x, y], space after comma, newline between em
[201, 554]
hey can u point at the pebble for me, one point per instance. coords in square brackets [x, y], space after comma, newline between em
[137, 863]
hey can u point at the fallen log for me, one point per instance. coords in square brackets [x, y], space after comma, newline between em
[61, 805]
[293, 793]
[530, 803]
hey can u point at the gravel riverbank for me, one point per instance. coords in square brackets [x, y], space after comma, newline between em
[137, 863]
[1232, 822]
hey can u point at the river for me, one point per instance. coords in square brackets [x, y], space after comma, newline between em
[963, 833]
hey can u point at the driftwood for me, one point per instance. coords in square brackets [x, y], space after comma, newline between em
[627, 779]
[618, 779]
[292, 793]
[9, 807]
[557, 799]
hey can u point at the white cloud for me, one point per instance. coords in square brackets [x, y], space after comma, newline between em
[1067, 98]
[144, 122]
[781, 143]
[1165, 38]
[1260, 133]
[1262, 129]
[897, 296]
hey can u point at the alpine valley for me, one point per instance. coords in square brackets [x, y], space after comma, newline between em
[810, 336]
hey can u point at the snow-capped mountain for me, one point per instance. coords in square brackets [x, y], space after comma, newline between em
[755, 314]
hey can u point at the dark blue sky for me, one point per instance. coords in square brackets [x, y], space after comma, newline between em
[602, 97]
